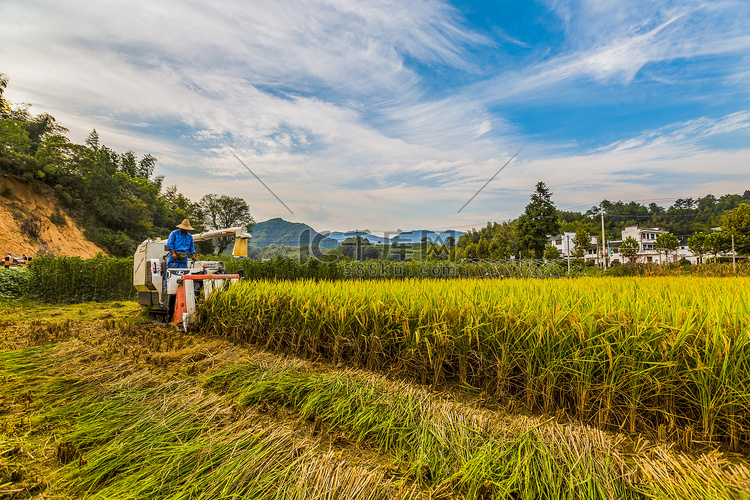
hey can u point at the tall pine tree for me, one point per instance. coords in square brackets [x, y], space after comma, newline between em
[538, 220]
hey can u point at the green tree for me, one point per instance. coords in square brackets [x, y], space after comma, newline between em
[438, 252]
[629, 248]
[501, 238]
[697, 244]
[371, 252]
[180, 207]
[495, 249]
[483, 249]
[4, 105]
[667, 243]
[92, 140]
[538, 220]
[15, 147]
[737, 224]
[220, 212]
[41, 127]
[716, 243]
[551, 252]
[358, 248]
[581, 243]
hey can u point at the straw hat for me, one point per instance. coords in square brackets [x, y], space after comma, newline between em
[185, 225]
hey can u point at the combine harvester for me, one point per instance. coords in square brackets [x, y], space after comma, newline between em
[171, 294]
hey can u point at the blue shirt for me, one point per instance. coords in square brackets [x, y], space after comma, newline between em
[180, 243]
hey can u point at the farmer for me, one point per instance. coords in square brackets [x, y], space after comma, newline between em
[180, 246]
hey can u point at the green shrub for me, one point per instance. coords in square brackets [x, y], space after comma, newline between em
[31, 226]
[114, 242]
[13, 284]
[57, 218]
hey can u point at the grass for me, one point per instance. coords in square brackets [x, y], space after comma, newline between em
[438, 442]
[471, 452]
[252, 425]
[119, 433]
[20, 313]
[25, 324]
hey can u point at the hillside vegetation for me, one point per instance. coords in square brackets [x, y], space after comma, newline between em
[114, 196]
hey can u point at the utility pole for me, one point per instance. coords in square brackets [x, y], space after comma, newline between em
[568, 252]
[734, 262]
[357, 250]
[604, 259]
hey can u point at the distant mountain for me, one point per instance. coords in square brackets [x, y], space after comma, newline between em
[340, 236]
[433, 237]
[404, 237]
[281, 232]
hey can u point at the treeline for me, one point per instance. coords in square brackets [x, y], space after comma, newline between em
[114, 196]
[684, 218]
[689, 221]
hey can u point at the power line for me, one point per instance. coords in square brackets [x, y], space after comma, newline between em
[616, 216]
[496, 173]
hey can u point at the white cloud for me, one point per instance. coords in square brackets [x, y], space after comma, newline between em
[323, 101]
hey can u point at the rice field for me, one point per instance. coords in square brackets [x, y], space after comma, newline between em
[417, 389]
[667, 356]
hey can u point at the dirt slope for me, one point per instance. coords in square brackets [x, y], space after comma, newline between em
[27, 226]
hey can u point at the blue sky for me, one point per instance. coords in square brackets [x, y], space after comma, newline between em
[388, 115]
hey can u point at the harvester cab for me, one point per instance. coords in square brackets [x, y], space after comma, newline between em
[171, 294]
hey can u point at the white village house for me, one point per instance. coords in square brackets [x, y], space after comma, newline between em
[647, 252]
[564, 243]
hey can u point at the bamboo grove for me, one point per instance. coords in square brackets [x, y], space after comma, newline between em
[666, 355]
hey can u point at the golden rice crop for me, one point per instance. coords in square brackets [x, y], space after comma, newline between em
[668, 354]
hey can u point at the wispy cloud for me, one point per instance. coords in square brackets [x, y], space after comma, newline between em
[611, 42]
[685, 134]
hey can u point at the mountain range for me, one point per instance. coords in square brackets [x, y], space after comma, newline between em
[278, 231]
